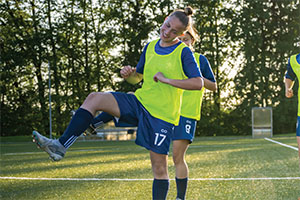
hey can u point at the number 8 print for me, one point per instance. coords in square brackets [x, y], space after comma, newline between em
[188, 128]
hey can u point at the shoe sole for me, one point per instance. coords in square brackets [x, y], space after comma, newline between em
[36, 140]
[53, 156]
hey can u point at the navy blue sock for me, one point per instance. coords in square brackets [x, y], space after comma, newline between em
[101, 119]
[79, 123]
[160, 189]
[181, 185]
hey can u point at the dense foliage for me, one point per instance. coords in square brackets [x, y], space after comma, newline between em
[85, 43]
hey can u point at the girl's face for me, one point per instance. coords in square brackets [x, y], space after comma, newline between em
[171, 29]
[187, 39]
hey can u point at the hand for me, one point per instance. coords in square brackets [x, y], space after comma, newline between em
[127, 71]
[289, 93]
[160, 77]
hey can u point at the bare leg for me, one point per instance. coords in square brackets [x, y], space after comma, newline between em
[100, 101]
[159, 165]
[182, 171]
[96, 101]
[179, 149]
[161, 179]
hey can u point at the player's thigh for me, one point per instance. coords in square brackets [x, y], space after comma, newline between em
[179, 149]
[101, 101]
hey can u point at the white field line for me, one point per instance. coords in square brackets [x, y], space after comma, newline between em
[142, 179]
[81, 150]
[295, 148]
[221, 145]
[192, 146]
[23, 153]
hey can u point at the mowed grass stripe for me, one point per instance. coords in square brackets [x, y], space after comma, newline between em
[220, 168]
[145, 179]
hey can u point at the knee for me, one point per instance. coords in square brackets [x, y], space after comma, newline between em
[96, 98]
[159, 170]
[94, 95]
[92, 102]
[178, 159]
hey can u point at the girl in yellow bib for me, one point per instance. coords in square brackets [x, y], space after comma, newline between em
[167, 66]
[190, 113]
[293, 72]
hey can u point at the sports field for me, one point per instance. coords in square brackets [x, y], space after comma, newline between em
[220, 168]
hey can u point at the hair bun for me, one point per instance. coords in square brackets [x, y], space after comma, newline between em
[188, 11]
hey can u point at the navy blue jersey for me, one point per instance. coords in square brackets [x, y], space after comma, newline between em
[189, 63]
[290, 74]
[205, 69]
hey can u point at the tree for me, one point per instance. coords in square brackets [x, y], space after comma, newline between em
[269, 34]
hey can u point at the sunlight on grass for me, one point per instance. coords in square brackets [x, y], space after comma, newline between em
[218, 157]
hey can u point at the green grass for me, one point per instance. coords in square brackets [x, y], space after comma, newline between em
[207, 157]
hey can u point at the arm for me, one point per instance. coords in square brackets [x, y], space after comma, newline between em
[135, 75]
[210, 85]
[288, 87]
[289, 78]
[207, 73]
[187, 84]
[130, 75]
[190, 69]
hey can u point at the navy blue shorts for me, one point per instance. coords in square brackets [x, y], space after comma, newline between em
[185, 129]
[298, 128]
[152, 133]
[119, 123]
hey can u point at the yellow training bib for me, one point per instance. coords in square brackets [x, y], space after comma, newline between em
[161, 100]
[296, 68]
[192, 100]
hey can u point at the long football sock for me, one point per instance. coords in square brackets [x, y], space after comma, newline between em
[79, 123]
[181, 185]
[160, 189]
[101, 119]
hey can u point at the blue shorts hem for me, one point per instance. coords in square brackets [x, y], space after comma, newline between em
[190, 140]
[182, 133]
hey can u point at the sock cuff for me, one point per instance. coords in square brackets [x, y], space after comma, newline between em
[181, 179]
[85, 112]
[161, 180]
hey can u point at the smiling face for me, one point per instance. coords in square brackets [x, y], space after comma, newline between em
[170, 30]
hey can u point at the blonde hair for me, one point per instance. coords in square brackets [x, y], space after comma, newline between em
[192, 31]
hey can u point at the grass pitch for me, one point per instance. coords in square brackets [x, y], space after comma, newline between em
[220, 168]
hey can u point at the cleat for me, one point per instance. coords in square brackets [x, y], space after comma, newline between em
[54, 148]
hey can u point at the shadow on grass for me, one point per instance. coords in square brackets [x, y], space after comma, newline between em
[72, 160]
